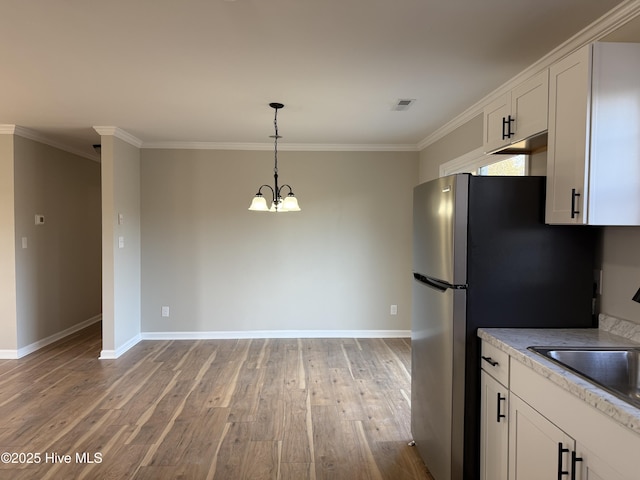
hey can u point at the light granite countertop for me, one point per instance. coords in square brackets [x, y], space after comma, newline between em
[515, 342]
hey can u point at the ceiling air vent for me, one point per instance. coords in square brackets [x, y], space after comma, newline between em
[403, 104]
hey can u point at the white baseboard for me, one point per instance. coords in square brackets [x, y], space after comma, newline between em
[113, 354]
[220, 335]
[21, 352]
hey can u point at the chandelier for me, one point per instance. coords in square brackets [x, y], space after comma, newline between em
[278, 204]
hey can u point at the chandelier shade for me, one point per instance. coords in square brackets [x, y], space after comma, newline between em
[278, 204]
[259, 204]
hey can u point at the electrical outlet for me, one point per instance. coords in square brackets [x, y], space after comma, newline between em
[165, 311]
[393, 310]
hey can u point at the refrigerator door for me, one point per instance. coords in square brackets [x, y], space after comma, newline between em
[437, 364]
[440, 228]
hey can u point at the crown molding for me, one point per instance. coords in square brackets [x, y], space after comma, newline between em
[6, 129]
[603, 26]
[119, 133]
[38, 137]
[339, 147]
[294, 147]
[123, 135]
[208, 146]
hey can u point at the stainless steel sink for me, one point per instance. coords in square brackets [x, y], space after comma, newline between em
[617, 370]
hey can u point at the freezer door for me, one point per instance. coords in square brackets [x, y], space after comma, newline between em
[437, 377]
[440, 228]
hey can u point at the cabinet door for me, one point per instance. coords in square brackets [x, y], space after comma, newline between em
[530, 106]
[518, 114]
[538, 449]
[614, 166]
[569, 95]
[591, 467]
[494, 428]
[493, 130]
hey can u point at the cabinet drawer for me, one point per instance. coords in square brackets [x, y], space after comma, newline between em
[495, 362]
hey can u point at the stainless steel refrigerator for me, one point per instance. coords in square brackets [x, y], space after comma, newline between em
[483, 257]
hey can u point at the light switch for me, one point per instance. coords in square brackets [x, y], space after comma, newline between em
[120, 242]
[39, 219]
[120, 219]
[24, 242]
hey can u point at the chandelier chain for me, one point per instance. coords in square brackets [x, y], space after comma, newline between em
[275, 143]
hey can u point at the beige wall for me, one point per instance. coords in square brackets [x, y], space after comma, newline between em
[538, 163]
[337, 265]
[8, 312]
[463, 139]
[621, 272]
[58, 274]
[121, 266]
[52, 286]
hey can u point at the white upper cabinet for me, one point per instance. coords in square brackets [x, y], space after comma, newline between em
[593, 158]
[518, 114]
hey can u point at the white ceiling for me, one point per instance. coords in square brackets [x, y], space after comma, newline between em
[169, 71]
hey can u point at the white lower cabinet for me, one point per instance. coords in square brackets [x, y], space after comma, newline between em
[598, 446]
[494, 427]
[537, 448]
[548, 433]
[540, 449]
[591, 467]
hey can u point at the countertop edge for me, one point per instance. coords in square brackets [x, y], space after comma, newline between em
[515, 342]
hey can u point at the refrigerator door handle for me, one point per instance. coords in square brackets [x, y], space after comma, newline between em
[431, 282]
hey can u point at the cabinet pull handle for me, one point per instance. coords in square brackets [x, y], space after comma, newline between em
[490, 361]
[561, 452]
[506, 127]
[574, 459]
[500, 414]
[574, 194]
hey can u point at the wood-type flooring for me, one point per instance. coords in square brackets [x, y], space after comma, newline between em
[284, 409]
